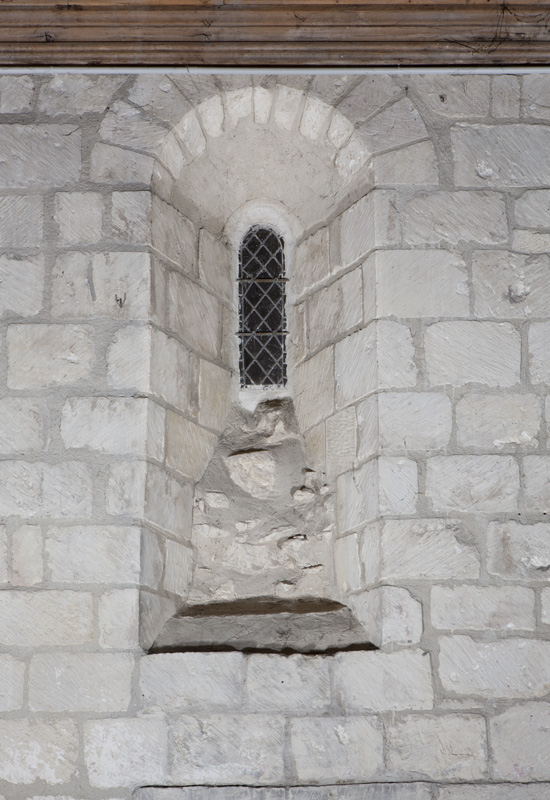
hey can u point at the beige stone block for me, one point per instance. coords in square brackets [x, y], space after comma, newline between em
[215, 265]
[16, 94]
[426, 549]
[131, 217]
[532, 209]
[414, 420]
[22, 285]
[93, 682]
[128, 126]
[55, 157]
[341, 441]
[48, 355]
[390, 614]
[178, 569]
[500, 156]
[506, 91]
[110, 164]
[539, 352]
[11, 688]
[52, 618]
[369, 223]
[118, 619]
[27, 562]
[215, 395]
[509, 668]
[93, 554]
[473, 483]
[36, 489]
[465, 352]
[79, 216]
[331, 749]
[188, 446]
[520, 739]
[397, 125]
[192, 681]
[482, 607]
[315, 118]
[352, 158]
[112, 425]
[510, 285]
[314, 388]
[536, 471]
[530, 242]
[374, 681]
[21, 218]
[126, 752]
[495, 422]
[335, 309]
[195, 314]
[439, 748]
[295, 684]
[227, 749]
[415, 165]
[87, 93]
[441, 217]
[38, 751]
[311, 261]
[518, 552]
[455, 96]
[21, 425]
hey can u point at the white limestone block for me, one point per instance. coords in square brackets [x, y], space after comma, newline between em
[510, 285]
[192, 681]
[473, 483]
[27, 563]
[512, 791]
[357, 497]
[227, 749]
[415, 165]
[36, 489]
[11, 686]
[482, 608]
[188, 446]
[118, 619]
[158, 94]
[125, 492]
[397, 485]
[88, 93]
[494, 422]
[336, 309]
[93, 682]
[450, 747]
[211, 115]
[128, 126]
[368, 433]
[314, 388]
[539, 352]
[374, 681]
[545, 606]
[315, 118]
[509, 668]
[131, 217]
[238, 103]
[536, 471]
[178, 568]
[215, 265]
[347, 565]
[22, 281]
[536, 97]
[189, 132]
[520, 740]
[441, 217]
[214, 394]
[311, 261]
[341, 441]
[3, 555]
[288, 103]
[174, 235]
[294, 684]
[371, 222]
[414, 420]
[79, 216]
[518, 552]
[22, 220]
[45, 618]
[38, 751]
[126, 752]
[16, 94]
[93, 554]
[453, 96]
[390, 614]
[254, 472]
[55, 153]
[368, 96]
[340, 130]
[530, 242]
[48, 355]
[331, 749]
[194, 314]
[464, 352]
[110, 164]
[397, 125]
[21, 425]
[506, 94]
[263, 100]
[532, 209]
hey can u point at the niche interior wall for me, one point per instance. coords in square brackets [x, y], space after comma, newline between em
[415, 212]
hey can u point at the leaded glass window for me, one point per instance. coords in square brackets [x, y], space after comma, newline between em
[262, 317]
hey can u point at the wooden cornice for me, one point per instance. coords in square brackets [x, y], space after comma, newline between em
[274, 33]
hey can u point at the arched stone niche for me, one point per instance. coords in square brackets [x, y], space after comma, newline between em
[286, 159]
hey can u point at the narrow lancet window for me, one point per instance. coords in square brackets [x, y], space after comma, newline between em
[262, 317]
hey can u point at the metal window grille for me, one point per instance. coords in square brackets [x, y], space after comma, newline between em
[262, 317]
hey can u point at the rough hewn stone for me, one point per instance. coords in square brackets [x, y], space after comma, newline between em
[38, 751]
[397, 125]
[21, 425]
[126, 752]
[508, 285]
[79, 216]
[537, 483]
[21, 220]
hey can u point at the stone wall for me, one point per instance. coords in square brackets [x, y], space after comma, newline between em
[416, 220]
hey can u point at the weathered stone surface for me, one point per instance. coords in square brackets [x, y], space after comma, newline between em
[188, 446]
[365, 791]
[158, 94]
[174, 236]
[21, 425]
[367, 97]
[254, 472]
[441, 217]
[113, 164]
[418, 283]
[509, 285]
[87, 93]
[506, 96]
[347, 565]
[22, 285]
[315, 118]
[334, 310]
[178, 568]
[35, 489]
[36, 619]
[215, 265]
[79, 216]
[27, 567]
[340, 130]
[336, 748]
[453, 95]
[415, 165]
[357, 231]
[449, 349]
[192, 681]
[399, 124]
[532, 209]
[210, 793]
[38, 751]
[495, 422]
[414, 421]
[48, 355]
[118, 619]
[341, 441]
[214, 395]
[227, 749]
[509, 668]
[293, 684]
[545, 606]
[128, 126]
[531, 242]
[126, 752]
[500, 791]
[482, 607]
[500, 155]
[536, 97]
[390, 614]
[435, 549]
[21, 217]
[357, 499]
[383, 681]
[516, 551]
[93, 554]
[438, 748]
[539, 352]
[71, 682]
[536, 470]
[16, 94]
[11, 688]
[55, 155]
[194, 314]
[314, 388]
[473, 483]
[520, 738]
[131, 217]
